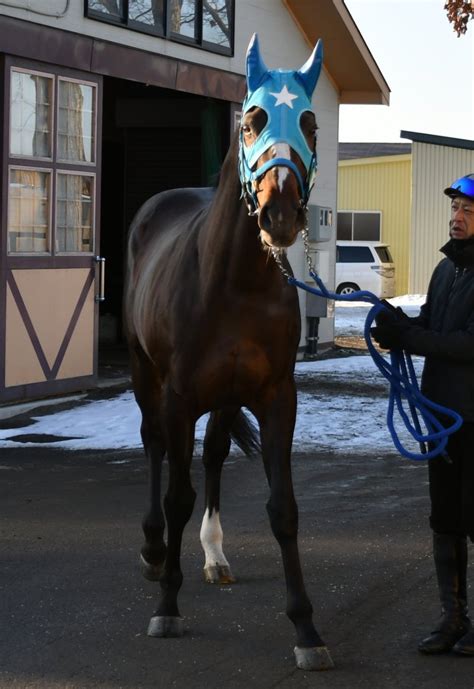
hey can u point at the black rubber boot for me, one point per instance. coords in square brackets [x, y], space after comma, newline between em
[465, 645]
[450, 556]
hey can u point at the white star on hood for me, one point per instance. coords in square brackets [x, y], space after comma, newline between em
[284, 97]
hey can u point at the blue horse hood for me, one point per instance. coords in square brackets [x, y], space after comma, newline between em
[283, 98]
[284, 95]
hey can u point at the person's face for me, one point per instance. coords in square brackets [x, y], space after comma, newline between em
[461, 225]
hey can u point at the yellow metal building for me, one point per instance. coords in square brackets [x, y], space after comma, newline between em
[407, 190]
[382, 183]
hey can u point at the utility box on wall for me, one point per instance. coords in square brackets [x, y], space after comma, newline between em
[319, 223]
[316, 306]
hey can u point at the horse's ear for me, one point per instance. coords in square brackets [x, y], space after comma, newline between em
[256, 68]
[309, 72]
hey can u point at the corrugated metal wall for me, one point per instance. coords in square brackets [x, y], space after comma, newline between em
[382, 184]
[434, 169]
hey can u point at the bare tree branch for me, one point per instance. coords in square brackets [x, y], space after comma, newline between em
[110, 5]
[217, 18]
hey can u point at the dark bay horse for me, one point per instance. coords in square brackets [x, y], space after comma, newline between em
[213, 326]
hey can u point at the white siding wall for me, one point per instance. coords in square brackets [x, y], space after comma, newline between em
[433, 169]
[282, 46]
[326, 107]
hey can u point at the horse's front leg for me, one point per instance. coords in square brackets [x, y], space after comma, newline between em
[277, 417]
[178, 426]
[216, 448]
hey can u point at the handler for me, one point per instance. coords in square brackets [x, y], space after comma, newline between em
[444, 334]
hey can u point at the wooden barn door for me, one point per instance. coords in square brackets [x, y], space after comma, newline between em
[51, 274]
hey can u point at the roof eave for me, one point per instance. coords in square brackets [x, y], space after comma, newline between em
[347, 59]
[364, 98]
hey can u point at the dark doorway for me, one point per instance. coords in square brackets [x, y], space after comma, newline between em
[153, 139]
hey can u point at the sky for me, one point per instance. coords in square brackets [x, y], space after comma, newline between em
[328, 420]
[427, 67]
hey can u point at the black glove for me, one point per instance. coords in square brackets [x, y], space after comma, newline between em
[401, 315]
[389, 335]
[390, 314]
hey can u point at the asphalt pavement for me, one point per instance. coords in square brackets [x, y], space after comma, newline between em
[75, 609]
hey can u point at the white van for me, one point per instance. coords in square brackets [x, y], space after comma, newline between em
[364, 266]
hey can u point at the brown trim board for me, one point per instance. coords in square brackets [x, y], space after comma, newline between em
[68, 49]
[32, 391]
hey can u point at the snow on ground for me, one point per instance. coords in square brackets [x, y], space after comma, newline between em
[341, 422]
[350, 316]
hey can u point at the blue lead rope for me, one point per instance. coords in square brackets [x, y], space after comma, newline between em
[400, 373]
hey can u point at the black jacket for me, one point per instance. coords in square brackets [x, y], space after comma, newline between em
[444, 331]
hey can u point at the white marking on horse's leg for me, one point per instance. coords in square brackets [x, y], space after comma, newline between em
[212, 537]
[216, 567]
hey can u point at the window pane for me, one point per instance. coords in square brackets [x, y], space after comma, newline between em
[148, 12]
[384, 254]
[76, 121]
[354, 254]
[28, 211]
[367, 227]
[216, 18]
[74, 213]
[344, 225]
[183, 18]
[110, 8]
[30, 115]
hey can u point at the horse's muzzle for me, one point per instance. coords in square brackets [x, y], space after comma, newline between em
[280, 223]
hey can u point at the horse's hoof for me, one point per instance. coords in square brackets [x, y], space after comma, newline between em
[162, 627]
[150, 572]
[218, 574]
[315, 658]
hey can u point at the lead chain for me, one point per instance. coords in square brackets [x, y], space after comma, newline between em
[277, 254]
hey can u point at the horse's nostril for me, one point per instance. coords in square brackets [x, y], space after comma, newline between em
[265, 219]
[279, 217]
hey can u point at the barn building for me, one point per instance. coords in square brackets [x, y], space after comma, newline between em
[105, 103]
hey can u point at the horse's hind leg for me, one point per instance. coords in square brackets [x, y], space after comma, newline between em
[148, 395]
[153, 552]
[216, 448]
[178, 503]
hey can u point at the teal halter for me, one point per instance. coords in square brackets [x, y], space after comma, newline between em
[284, 95]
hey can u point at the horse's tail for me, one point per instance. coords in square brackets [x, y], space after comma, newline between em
[245, 435]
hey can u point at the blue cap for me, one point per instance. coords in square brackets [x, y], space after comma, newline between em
[464, 186]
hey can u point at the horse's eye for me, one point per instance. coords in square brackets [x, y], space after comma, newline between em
[246, 129]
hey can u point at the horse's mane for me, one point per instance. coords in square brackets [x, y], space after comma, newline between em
[228, 187]
[147, 243]
[232, 153]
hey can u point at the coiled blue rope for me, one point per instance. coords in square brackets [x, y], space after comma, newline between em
[400, 373]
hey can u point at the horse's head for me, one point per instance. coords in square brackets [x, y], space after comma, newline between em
[277, 156]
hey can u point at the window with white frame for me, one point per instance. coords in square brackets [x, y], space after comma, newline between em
[29, 217]
[53, 123]
[76, 121]
[359, 225]
[74, 208]
[31, 115]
